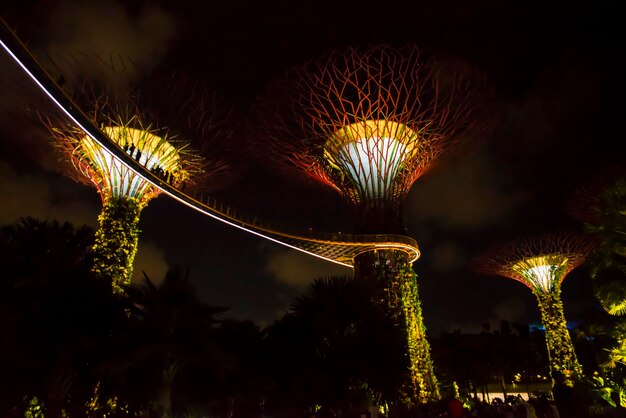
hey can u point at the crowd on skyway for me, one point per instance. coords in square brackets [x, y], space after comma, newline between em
[157, 170]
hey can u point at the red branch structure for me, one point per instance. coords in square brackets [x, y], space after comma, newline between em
[167, 153]
[523, 260]
[142, 129]
[368, 123]
[541, 263]
[194, 113]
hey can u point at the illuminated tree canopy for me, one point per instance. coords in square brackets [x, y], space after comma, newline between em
[124, 118]
[128, 126]
[541, 263]
[369, 122]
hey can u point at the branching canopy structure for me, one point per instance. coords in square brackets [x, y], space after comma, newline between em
[542, 263]
[137, 131]
[196, 114]
[368, 123]
[131, 129]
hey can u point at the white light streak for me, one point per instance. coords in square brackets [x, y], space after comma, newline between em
[95, 135]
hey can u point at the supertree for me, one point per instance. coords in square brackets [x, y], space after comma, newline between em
[368, 123]
[542, 263]
[124, 117]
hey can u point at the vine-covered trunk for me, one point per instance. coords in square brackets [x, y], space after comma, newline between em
[402, 301]
[560, 347]
[421, 367]
[116, 241]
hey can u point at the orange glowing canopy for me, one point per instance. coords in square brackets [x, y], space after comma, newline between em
[112, 177]
[368, 122]
[372, 154]
[541, 262]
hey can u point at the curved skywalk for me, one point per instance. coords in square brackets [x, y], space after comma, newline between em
[337, 248]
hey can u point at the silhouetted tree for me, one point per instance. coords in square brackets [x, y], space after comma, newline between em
[476, 360]
[239, 390]
[602, 209]
[55, 317]
[171, 333]
[335, 349]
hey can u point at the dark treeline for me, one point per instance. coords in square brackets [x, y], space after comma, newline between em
[71, 348]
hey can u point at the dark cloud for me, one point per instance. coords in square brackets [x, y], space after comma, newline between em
[511, 308]
[23, 140]
[44, 197]
[552, 115]
[150, 259]
[446, 256]
[469, 193]
[557, 68]
[297, 270]
[78, 31]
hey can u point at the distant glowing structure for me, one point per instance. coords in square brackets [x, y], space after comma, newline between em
[123, 192]
[368, 123]
[542, 264]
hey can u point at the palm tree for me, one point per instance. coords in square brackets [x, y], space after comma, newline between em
[603, 211]
[240, 389]
[171, 332]
[39, 249]
[54, 316]
[341, 342]
[602, 208]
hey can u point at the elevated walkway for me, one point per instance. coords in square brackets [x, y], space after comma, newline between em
[337, 248]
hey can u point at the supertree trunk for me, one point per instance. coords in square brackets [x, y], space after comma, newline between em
[541, 263]
[369, 123]
[116, 241]
[393, 270]
[421, 367]
[560, 347]
[378, 217]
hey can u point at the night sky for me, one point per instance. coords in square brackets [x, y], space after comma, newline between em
[557, 68]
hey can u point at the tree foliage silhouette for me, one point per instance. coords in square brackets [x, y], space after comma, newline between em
[337, 346]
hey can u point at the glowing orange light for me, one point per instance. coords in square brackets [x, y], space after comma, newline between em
[539, 263]
[109, 173]
[368, 122]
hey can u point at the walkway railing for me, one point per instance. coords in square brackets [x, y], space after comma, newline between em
[338, 247]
